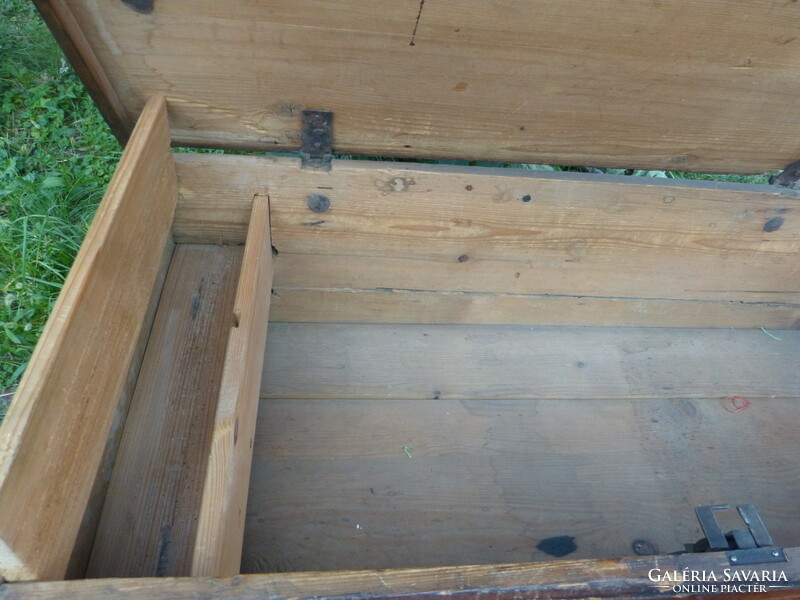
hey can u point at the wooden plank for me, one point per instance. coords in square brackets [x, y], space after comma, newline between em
[648, 85]
[83, 545]
[65, 28]
[617, 578]
[442, 362]
[595, 241]
[415, 306]
[148, 523]
[218, 545]
[333, 486]
[54, 436]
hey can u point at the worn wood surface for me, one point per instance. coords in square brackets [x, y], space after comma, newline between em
[488, 362]
[58, 16]
[573, 580]
[333, 486]
[522, 442]
[692, 85]
[149, 520]
[515, 247]
[53, 439]
[221, 519]
[83, 545]
[416, 306]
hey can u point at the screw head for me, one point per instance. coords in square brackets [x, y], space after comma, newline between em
[734, 559]
[776, 553]
[644, 547]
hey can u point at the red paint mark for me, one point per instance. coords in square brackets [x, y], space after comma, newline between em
[734, 404]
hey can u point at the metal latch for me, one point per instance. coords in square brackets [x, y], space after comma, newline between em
[749, 546]
[789, 177]
[317, 139]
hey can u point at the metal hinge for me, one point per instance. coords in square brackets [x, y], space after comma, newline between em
[789, 177]
[749, 546]
[317, 139]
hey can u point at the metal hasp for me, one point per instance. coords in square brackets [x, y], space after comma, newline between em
[316, 149]
[749, 546]
[789, 177]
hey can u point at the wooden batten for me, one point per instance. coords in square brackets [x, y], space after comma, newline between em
[221, 521]
[54, 437]
[422, 244]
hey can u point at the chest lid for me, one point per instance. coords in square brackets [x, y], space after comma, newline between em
[694, 85]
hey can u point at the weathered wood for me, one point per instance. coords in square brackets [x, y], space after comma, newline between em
[650, 84]
[218, 545]
[414, 306]
[68, 32]
[148, 525]
[558, 249]
[85, 540]
[333, 486]
[567, 580]
[502, 363]
[53, 439]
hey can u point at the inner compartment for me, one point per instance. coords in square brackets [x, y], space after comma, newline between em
[462, 367]
[383, 446]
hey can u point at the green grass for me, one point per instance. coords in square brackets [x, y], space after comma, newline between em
[56, 157]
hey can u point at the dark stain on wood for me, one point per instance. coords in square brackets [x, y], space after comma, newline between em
[144, 7]
[198, 297]
[163, 551]
[318, 203]
[773, 224]
[558, 546]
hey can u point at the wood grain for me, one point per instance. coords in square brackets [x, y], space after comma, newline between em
[697, 85]
[68, 32]
[493, 481]
[82, 549]
[149, 520]
[54, 437]
[221, 519]
[306, 305]
[572, 579]
[560, 249]
[441, 362]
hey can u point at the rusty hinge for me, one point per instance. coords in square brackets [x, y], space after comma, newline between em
[317, 140]
[789, 177]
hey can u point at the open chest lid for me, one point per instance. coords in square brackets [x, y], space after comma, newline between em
[694, 85]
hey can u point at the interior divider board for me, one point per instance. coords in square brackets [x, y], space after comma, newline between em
[148, 524]
[346, 484]
[418, 228]
[60, 427]
[648, 85]
[221, 519]
[442, 362]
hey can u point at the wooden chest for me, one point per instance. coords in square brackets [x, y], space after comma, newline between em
[412, 379]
